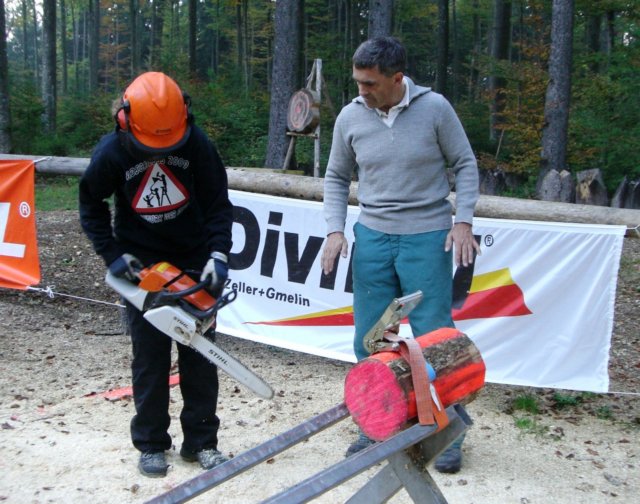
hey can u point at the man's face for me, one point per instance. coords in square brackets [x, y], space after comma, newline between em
[378, 90]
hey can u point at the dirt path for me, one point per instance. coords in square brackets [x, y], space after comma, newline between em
[61, 442]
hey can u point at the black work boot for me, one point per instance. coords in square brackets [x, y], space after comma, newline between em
[450, 460]
[208, 458]
[359, 444]
[153, 464]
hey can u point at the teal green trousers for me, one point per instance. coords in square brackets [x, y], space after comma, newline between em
[386, 266]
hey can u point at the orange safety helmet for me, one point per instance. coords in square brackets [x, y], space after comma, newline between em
[154, 116]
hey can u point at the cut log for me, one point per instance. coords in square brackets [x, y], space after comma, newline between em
[379, 389]
[619, 197]
[590, 189]
[303, 114]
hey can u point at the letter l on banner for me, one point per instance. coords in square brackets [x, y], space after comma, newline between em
[19, 264]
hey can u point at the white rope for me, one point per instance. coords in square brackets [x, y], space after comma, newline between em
[48, 290]
[51, 294]
[636, 394]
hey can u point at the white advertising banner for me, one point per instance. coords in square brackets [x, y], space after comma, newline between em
[538, 302]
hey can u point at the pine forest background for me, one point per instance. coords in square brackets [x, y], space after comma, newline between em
[538, 84]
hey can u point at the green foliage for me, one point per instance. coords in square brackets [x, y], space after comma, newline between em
[605, 120]
[564, 400]
[529, 425]
[56, 192]
[80, 123]
[26, 111]
[231, 102]
[526, 402]
[604, 413]
[236, 123]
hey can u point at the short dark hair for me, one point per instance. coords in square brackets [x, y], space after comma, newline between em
[387, 53]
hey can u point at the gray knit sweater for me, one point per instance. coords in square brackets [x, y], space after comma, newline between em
[403, 183]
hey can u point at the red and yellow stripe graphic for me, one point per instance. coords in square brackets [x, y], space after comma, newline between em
[493, 294]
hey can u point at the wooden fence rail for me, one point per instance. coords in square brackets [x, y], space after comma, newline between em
[277, 183]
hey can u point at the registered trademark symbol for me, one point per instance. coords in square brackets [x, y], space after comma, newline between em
[488, 240]
[25, 209]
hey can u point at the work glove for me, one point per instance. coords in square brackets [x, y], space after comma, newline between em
[216, 271]
[126, 266]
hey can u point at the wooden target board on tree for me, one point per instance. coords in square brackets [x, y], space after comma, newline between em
[303, 114]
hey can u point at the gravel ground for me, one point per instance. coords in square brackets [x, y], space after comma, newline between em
[61, 441]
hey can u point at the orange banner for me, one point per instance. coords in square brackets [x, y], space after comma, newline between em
[19, 264]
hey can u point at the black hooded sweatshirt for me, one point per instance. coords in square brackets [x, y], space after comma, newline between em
[175, 209]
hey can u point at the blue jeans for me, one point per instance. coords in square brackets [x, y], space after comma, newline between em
[386, 266]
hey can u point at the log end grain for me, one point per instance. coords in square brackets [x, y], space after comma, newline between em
[377, 403]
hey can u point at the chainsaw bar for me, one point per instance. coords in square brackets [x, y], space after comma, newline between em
[232, 366]
[187, 329]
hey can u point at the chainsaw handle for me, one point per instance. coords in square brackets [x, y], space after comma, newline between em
[165, 297]
[221, 302]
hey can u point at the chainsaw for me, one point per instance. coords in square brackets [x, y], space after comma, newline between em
[186, 312]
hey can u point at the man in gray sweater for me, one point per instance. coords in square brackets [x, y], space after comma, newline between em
[401, 138]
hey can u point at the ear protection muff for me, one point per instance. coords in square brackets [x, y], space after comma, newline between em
[187, 104]
[122, 116]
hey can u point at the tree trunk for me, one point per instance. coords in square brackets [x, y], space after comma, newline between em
[240, 56]
[49, 65]
[246, 46]
[284, 79]
[25, 40]
[216, 46]
[474, 74]
[499, 52]
[5, 112]
[193, 22]
[134, 49]
[380, 15]
[157, 24]
[94, 44]
[558, 97]
[593, 40]
[36, 67]
[456, 64]
[63, 46]
[443, 46]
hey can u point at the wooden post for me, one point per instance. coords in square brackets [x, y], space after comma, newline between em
[316, 141]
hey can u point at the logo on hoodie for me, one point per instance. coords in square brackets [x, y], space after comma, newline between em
[160, 196]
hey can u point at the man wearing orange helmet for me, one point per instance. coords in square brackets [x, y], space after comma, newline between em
[171, 204]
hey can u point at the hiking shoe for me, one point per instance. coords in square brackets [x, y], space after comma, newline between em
[359, 444]
[450, 460]
[208, 458]
[153, 464]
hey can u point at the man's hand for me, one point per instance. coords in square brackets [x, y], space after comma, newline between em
[216, 271]
[335, 244]
[463, 242]
[126, 266]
